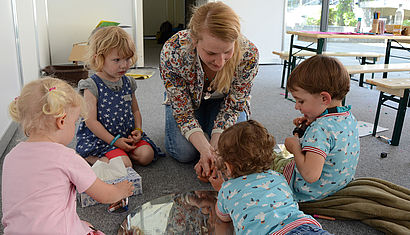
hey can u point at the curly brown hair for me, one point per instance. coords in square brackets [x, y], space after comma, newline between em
[247, 147]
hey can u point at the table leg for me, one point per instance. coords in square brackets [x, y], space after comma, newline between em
[362, 74]
[387, 56]
[290, 68]
[320, 44]
[376, 119]
[401, 112]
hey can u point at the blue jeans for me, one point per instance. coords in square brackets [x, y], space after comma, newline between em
[176, 145]
[307, 229]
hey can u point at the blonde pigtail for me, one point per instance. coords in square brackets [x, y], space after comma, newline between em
[43, 100]
[55, 102]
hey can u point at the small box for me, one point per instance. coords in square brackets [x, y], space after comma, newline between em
[84, 200]
[78, 52]
[375, 26]
[389, 28]
[397, 29]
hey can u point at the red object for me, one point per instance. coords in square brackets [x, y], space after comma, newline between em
[119, 152]
[324, 217]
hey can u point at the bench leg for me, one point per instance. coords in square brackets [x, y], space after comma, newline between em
[376, 119]
[291, 66]
[289, 63]
[363, 62]
[401, 112]
[285, 64]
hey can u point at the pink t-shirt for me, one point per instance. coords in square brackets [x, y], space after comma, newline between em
[38, 189]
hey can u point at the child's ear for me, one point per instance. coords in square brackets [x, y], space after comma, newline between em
[60, 121]
[228, 168]
[326, 97]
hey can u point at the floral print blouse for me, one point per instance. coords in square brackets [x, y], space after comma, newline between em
[183, 77]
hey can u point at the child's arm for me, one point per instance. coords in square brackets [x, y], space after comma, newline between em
[309, 164]
[223, 217]
[136, 134]
[97, 128]
[109, 193]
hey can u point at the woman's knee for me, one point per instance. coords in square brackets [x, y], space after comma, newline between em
[183, 153]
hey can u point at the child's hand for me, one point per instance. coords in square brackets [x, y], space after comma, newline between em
[125, 144]
[299, 120]
[125, 187]
[292, 144]
[216, 179]
[136, 136]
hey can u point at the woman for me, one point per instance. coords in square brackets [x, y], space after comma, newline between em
[208, 73]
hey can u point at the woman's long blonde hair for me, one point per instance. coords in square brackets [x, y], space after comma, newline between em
[221, 22]
[43, 100]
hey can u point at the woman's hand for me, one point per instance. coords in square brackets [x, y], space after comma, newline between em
[205, 164]
[125, 144]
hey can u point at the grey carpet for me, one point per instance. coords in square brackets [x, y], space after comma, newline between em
[272, 110]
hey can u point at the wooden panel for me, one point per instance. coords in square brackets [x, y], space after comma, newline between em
[377, 68]
[394, 86]
[284, 55]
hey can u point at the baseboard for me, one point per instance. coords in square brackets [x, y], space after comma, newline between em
[6, 138]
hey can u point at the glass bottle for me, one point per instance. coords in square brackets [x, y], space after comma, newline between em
[358, 25]
[398, 20]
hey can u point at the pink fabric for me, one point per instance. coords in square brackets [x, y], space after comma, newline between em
[344, 33]
[38, 189]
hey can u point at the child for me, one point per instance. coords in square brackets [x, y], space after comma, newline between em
[258, 200]
[114, 125]
[41, 175]
[326, 156]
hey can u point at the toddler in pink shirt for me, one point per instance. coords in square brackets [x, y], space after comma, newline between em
[41, 174]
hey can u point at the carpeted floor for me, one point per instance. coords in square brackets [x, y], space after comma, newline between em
[272, 110]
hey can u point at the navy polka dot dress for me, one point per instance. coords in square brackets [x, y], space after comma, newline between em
[114, 112]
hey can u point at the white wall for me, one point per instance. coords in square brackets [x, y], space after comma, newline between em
[43, 42]
[28, 44]
[10, 79]
[262, 23]
[72, 22]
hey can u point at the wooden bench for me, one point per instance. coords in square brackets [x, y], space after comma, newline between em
[395, 90]
[364, 58]
[376, 68]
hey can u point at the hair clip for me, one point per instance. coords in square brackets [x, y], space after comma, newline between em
[52, 88]
[16, 98]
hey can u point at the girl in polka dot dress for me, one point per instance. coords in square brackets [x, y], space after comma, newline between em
[114, 124]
